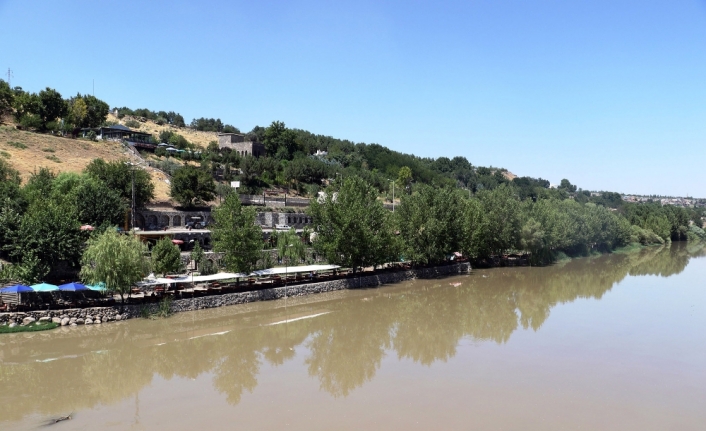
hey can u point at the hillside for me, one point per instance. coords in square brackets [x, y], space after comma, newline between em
[196, 137]
[27, 152]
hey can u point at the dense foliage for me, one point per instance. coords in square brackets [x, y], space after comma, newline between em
[235, 234]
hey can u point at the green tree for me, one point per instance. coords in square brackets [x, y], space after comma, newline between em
[501, 209]
[235, 233]
[6, 99]
[118, 176]
[566, 185]
[116, 260]
[26, 104]
[96, 111]
[53, 105]
[191, 185]
[78, 111]
[50, 230]
[404, 178]
[97, 204]
[352, 227]
[166, 257]
[431, 224]
[290, 247]
[280, 141]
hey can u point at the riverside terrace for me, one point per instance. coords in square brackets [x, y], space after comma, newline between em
[153, 290]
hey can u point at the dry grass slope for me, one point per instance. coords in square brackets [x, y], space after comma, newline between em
[28, 152]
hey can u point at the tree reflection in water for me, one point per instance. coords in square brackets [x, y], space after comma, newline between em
[422, 321]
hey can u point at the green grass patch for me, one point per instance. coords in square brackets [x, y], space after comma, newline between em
[635, 246]
[48, 150]
[18, 145]
[32, 327]
[5, 154]
[54, 159]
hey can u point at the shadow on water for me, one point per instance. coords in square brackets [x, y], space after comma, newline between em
[46, 374]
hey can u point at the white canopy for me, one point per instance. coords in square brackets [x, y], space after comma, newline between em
[294, 269]
[189, 279]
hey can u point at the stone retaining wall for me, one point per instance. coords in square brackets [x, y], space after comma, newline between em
[100, 315]
[70, 317]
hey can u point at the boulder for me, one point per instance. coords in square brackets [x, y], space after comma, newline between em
[44, 319]
[12, 325]
[79, 321]
[89, 322]
[97, 322]
[56, 320]
[28, 320]
[65, 321]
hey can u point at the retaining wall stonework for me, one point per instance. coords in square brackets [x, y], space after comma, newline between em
[106, 314]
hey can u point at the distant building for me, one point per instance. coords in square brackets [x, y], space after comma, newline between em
[118, 132]
[237, 143]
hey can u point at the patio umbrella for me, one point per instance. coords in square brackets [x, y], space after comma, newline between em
[177, 241]
[18, 288]
[72, 287]
[87, 227]
[44, 287]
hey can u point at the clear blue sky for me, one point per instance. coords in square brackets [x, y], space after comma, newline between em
[610, 94]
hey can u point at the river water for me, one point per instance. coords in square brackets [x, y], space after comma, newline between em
[614, 342]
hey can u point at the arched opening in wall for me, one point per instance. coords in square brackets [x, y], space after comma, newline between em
[151, 221]
[176, 221]
[206, 241]
[163, 221]
[140, 221]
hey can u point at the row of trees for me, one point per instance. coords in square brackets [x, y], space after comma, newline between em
[49, 111]
[353, 229]
[159, 117]
[40, 220]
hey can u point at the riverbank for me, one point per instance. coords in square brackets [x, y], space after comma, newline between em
[100, 315]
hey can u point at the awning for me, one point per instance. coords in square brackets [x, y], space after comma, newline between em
[293, 269]
[194, 279]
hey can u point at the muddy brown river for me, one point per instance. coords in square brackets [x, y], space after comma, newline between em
[613, 342]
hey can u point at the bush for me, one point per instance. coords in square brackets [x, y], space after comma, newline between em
[695, 233]
[133, 124]
[91, 135]
[30, 121]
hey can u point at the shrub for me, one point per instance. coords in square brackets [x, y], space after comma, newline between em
[91, 135]
[18, 145]
[133, 124]
[30, 121]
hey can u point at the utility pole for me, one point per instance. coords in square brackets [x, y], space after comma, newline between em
[9, 77]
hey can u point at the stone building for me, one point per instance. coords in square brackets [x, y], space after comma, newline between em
[237, 143]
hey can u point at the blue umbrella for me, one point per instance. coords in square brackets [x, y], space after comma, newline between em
[18, 288]
[72, 287]
[44, 287]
